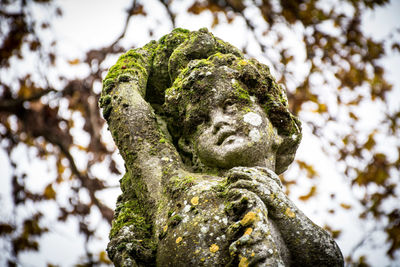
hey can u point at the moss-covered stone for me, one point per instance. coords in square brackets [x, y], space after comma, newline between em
[129, 213]
[178, 208]
[178, 184]
[159, 78]
[175, 220]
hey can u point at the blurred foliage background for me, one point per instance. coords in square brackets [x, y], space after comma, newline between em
[333, 71]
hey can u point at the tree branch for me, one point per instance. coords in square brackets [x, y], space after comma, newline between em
[128, 18]
[12, 104]
[88, 183]
[171, 15]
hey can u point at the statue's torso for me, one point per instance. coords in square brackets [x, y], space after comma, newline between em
[199, 232]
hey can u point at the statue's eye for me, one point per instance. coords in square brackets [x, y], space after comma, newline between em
[229, 106]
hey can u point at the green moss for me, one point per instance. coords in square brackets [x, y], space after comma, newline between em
[159, 78]
[180, 30]
[175, 32]
[130, 158]
[130, 66]
[282, 119]
[175, 220]
[108, 85]
[241, 93]
[177, 184]
[227, 48]
[132, 209]
[162, 141]
[114, 134]
[170, 212]
[219, 188]
[129, 213]
[237, 207]
[121, 246]
[107, 112]
[125, 65]
[105, 100]
[247, 109]
[185, 182]
[125, 182]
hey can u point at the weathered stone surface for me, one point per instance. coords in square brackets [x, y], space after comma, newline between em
[203, 132]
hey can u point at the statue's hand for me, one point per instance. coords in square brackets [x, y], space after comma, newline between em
[262, 182]
[249, 191]
[257, 185]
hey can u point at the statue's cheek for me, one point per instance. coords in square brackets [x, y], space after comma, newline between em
[255, 135]
[204, 145]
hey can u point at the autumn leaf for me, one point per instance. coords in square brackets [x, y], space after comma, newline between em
[311, 193]
[104, 258]
[370, 142]
[345, 206]
[311, 172]
[49, 192]
[75, 61]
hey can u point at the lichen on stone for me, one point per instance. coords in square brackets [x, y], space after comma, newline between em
[179, 208]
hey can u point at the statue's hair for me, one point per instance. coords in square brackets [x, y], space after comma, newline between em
[189, 100]
[182, 68]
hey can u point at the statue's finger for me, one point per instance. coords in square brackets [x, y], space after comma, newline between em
[237, 174]
[262, 190]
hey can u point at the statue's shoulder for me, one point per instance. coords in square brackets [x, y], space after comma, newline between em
[197, 223]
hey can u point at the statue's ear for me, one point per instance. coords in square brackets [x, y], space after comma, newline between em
[186, 145]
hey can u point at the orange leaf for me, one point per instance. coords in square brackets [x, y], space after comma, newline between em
[345, 206]
[370, 142]
[74, 61]
[60, 167]
[49, 192]
[104, 258]
[312, 192]
[311, 172]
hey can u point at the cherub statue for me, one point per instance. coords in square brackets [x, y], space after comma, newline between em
[204, 133]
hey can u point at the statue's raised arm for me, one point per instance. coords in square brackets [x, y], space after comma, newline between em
[203, 132]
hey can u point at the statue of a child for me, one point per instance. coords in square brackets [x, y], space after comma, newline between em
[203, 132]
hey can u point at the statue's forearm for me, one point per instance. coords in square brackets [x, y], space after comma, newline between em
[143, 144]
[148, 155]
[130, 117]
[309, 244]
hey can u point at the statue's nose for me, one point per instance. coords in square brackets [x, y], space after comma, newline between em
[219, 125]
[220, 119]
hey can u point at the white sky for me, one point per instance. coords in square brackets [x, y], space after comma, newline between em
[94, 23]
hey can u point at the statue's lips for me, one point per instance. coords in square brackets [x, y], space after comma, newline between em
[222, 136]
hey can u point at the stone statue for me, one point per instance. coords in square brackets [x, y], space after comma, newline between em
[204, 132]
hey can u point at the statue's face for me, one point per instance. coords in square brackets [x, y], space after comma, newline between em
[237, 135]
[234, 130]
